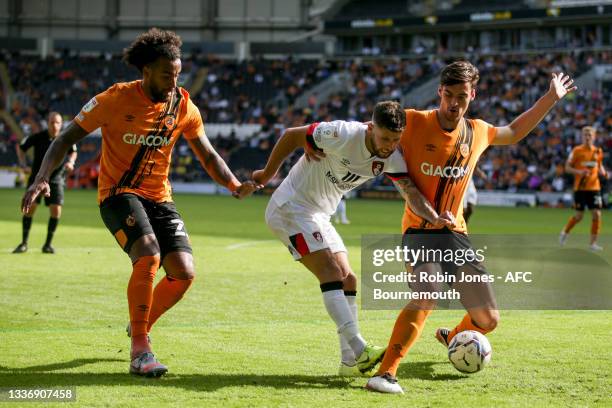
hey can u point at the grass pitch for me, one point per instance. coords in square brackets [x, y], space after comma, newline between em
[253, 330]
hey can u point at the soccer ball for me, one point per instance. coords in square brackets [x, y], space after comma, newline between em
[469, 351]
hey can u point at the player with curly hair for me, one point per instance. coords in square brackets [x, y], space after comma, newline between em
[141, 121]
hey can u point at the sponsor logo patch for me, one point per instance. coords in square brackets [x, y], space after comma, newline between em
[446, 172]
[464, 149]
[325, 130]
[347, 182]
[149, 140]
[317, 235]
[93, 102]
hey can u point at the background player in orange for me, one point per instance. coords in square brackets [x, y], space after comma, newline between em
[441, 149]
[585, 163]
[40, 142]
[141, 121]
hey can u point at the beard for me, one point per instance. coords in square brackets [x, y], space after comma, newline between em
[160, 96]
[383, 155]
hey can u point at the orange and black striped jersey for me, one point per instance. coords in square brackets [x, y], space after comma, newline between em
[441, 163]
[583, 157]
[137, 138]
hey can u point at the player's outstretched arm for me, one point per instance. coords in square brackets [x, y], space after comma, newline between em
[421, 206]
[289, 141]
[53, 158]
[560, 85]
[216, 167]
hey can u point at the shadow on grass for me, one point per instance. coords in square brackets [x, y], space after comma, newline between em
[58, 366]
[424, 370]
[44, 376]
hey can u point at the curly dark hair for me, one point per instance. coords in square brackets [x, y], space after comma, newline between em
[149, 46]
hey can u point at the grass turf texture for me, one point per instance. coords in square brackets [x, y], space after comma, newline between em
[253, 331]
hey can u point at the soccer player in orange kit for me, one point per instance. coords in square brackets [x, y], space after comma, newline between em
[441, 149]
[585, 163]
[141, 121]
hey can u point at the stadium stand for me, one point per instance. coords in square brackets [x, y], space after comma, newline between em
[263, 92]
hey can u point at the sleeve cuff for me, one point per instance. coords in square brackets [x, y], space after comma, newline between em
[397, 176]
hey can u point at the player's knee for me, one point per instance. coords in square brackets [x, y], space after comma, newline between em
[596, 215]
[350, 280]
[488, 321]
[578, 216]
[56, 211]
[184, 273]
[151, 262]
[332, 272]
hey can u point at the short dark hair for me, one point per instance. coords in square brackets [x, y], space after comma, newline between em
[149, 46]
[459, 72]
[389, 115]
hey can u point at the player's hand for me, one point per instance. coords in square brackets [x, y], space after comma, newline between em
[39, 187]
[69, 166]
[585, 172]
[561, 85]
[313, 154]
[259, 176]
[446, 219]
[246, 189]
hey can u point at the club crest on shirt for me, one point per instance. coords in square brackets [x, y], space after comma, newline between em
[169, 121]
[317, 235]
[464, 149]
[130, 221]
[377, 167]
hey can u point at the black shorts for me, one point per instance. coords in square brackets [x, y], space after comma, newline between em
[587, 199]
[443, 241]
[56, 197]
[129, 217]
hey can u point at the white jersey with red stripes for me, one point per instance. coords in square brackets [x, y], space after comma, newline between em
[319, 186]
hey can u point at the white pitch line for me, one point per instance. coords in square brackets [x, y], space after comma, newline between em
[248, 244]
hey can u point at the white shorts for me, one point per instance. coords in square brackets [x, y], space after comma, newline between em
[302, 230]
[471, 195]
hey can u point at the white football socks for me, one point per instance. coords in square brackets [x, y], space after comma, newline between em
[339, 310]
[346, 352]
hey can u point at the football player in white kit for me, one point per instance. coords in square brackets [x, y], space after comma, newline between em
[299, 211]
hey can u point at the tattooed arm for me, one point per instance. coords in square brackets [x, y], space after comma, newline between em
[421, 206]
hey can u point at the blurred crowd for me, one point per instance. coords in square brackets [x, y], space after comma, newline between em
[266, 93]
